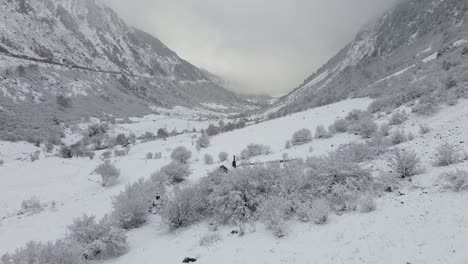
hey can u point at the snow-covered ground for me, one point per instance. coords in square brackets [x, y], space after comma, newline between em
[422, 225]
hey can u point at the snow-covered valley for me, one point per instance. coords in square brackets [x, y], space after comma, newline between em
[419, 223]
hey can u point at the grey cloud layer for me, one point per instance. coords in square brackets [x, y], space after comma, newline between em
[261, 46]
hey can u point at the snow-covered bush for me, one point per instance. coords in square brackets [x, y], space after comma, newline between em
[130, 207]
[405, 163]
[424, 129]
[35, 156]
[364, 127]
[378, 144]
[175, 172]
[398, 117]
[288, 144]
[60, 252]
[338, 180]
[223, 156]
[32, 205]
[121, 152]
[455, 180]
[108, 172]
[355, 152]
[366, 204]
[2, 162]
[318, 212]
[181, 208]
[208, 159]
[209, 239]
[398, 137]
[425, 108]
[162, 133]
[106, 154]
[157, 155]
[385, 129]
[181, 154]
[301, 137]
[203, 141]
[447, 154]
[273, 213]
[339, 126]
[253, 150]
[149, 155]
[321, 132]
[121, 140]
[98, 239]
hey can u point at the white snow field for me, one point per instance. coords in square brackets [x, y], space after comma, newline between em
[419, 224]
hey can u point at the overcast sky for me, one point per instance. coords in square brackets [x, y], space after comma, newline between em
[259, 46]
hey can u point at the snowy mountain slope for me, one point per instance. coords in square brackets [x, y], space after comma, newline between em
[69, 59]
[423, 224]
[401, 38]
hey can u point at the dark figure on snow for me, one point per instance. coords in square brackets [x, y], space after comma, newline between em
[234, 163]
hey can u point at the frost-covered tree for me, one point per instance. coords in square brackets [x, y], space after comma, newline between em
[181, 208]
[181, 154]
[273, 212]
[398, 117]
[203, 141]
[175, 172]
[253, 150]
[99, 239]
[108, 172]
[130, 207]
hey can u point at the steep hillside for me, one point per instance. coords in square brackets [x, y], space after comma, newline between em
[416, 41]
[68, 59]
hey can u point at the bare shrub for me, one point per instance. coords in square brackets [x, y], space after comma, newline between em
[181, 154]
[273, 213]
[130, 207]
[181, 208]
[203, 141]
[253, 150]
[175, 172]
[108, 172]
[98, 239]
[398, 137]
[157, 155]
[398, 117]
[301, 137]
[321, 132]
[223, 156]
[447, 154]
[456, 181]
[208, 159]
[209, 240]
[405, 163]
[355, 152]
[424, 129]
[425, 108]
[149, 155]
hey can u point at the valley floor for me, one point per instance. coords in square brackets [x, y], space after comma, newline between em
[420, 223]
